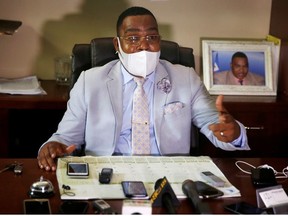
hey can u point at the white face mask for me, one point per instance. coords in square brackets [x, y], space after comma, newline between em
[140, 63]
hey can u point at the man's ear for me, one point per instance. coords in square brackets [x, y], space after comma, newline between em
[116, 45]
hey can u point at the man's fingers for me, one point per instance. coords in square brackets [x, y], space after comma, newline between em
[43, 161]
[219, 105]
[40, 164]
[70, 149]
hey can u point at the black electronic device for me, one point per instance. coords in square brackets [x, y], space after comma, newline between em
[206, 191]
[78, 170]
[134, 189]
[74, 207]
[263, 177]
[102, 207]
[190, 190]
[36, 206]
[244, 208]
[105, 175]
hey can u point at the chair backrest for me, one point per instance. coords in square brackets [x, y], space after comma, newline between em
[101, 51]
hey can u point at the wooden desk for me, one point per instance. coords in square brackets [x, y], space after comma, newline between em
[21, 114]
[14, 188]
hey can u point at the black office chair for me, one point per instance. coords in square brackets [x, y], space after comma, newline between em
[101, 50]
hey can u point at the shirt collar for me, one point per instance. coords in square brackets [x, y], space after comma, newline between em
[127, 77]
[237, 80]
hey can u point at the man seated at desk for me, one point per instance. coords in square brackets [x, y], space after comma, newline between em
[100, 109]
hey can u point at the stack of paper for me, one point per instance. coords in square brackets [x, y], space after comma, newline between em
[25, 86]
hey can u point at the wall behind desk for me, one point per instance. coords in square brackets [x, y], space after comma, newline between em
[52, 27]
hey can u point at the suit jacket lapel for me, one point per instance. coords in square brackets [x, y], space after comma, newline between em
[115, 91]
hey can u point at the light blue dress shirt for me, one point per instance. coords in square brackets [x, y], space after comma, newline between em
[124, 146]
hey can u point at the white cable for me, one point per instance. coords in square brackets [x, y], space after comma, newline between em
[283, 174]
[247, 172]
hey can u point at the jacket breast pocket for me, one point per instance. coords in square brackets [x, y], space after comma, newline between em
[177, 114]
[173, 107]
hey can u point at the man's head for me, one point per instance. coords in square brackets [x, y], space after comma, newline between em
[239, 65]
[138, 41]
[137, 30]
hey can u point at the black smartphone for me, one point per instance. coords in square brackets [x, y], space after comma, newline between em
[36, 206]
[244, 208]
[74, 207]
[78, 170]
[134, 189]
[206, 191]
[105, 175]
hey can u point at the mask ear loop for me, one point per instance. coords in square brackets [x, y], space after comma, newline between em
[119, 45]
[66, 191]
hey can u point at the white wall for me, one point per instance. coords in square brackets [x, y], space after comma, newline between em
[51, 27]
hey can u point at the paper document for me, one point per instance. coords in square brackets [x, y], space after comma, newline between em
[26, 86]
[137, 168]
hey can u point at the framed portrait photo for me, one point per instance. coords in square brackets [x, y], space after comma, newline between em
[238, 67]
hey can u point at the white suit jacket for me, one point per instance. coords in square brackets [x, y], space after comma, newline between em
[94, 110]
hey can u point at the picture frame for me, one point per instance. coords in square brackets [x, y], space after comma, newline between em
[217, 55]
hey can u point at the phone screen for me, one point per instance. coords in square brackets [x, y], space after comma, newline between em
[206, 191]
[37, 206]
[77, 169]
[244, 208]
[134, 189]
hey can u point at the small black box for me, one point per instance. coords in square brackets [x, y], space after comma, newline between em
[263, 177]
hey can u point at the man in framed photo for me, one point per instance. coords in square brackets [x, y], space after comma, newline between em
[239, 73]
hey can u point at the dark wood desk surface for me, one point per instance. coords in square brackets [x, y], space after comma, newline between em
[14, 188]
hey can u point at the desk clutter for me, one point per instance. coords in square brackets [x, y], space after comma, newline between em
[183, 177]
[164, 198]
[137, 168]
[142, 181]
[270, 195]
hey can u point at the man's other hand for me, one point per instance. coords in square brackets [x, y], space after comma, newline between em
[227, 130]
